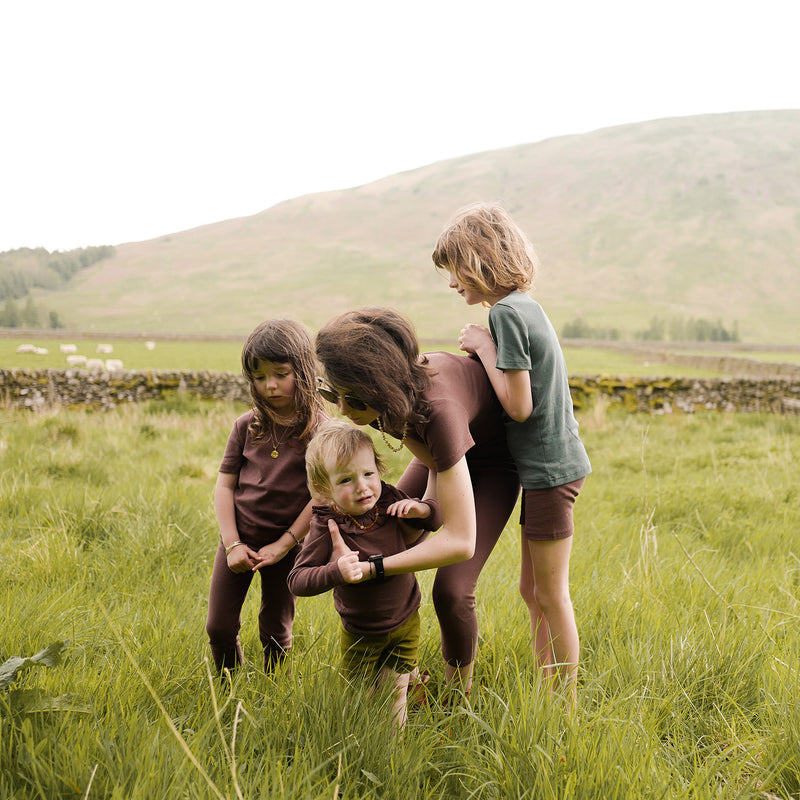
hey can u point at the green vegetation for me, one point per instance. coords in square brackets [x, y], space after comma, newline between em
[685, 579]
[217, 356]
[660, 329]
[30, 316]
[223, 356]
[26, 269]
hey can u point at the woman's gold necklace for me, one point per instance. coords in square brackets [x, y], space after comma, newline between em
[388, 443]
[355, 521]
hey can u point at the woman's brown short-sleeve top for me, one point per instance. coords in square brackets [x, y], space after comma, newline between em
[465, 416]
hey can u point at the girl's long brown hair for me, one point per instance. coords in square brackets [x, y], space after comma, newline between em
[286, 342]
[373, 352]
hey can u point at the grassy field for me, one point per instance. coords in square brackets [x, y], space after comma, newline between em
[685, 579]
[224, 357]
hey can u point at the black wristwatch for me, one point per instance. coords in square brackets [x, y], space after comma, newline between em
[380, 575]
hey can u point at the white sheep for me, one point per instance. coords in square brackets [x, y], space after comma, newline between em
[26, 348]
[68, 348]
[105, 348]
[113, 365]
[95, 364]
[150, 345]
[41, 351]
[76, 361]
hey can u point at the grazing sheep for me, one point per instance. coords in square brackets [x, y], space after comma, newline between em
[95, 364]
[113, 365]
[26, 348]
[150, 345]
[105, 348]
[68, 348]
[41, 351]
[76, 361]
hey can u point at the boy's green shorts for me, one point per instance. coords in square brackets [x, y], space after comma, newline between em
[366, 655]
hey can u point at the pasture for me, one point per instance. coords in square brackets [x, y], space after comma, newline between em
[223, 356]
[685, 580]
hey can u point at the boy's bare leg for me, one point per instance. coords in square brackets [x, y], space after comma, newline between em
[399, 682]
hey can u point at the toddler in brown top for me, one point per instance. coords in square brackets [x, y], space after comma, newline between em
[363, 520]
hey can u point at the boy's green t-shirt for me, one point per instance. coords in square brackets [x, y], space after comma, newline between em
[546, 447]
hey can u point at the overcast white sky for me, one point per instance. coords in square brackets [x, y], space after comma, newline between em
[124, 121]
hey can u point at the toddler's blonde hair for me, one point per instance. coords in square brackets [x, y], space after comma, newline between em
[486, 250]
[336, 441]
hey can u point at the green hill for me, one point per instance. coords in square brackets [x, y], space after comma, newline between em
[694, 217]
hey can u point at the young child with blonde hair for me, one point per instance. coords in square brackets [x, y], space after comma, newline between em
[490, 261]
[358, 521]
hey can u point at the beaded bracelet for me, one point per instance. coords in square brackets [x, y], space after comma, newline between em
[296, 540]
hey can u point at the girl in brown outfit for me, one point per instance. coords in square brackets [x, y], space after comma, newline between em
[262, 502]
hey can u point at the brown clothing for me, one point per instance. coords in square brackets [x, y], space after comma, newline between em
[371, 607]
[465, 416]
[270, 492]
[465, 420]
[269, 495]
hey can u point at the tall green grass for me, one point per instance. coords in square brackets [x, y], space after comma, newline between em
[685, 579]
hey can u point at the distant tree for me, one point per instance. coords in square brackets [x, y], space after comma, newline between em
[655, 332]
[30, 314]
[55, 321]
[577, 329]
[27, 268]
[11, 317]
[580, 329]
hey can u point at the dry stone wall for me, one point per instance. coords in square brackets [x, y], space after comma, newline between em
[36, 389]
[688, 395]
[54, 388]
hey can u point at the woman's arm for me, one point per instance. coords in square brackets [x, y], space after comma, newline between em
[456, 540]
[512, 386]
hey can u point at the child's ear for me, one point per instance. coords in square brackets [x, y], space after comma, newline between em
[320, 493]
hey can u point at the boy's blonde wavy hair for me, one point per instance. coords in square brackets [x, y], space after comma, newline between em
[486, 250]
[335, 441]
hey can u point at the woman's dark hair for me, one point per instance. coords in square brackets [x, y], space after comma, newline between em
[285, 342]
[373, 352]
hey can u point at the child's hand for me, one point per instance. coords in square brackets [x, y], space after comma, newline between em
[241, 558]
[350, 568]
[473, 337]
[270, 554]
[410, 508]
[346, 559]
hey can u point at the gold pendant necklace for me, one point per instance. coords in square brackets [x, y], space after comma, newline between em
[388, 443]
[355, 521]
[275, 453]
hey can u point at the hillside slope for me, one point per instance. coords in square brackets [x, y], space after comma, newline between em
[696, 216]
